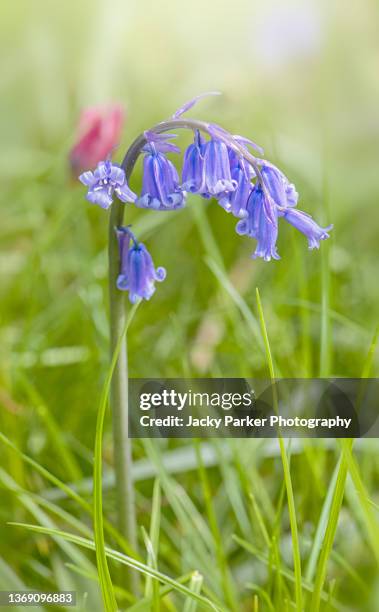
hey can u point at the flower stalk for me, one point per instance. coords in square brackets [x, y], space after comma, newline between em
[122, 448]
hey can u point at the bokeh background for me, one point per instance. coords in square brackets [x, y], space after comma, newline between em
[298, 77]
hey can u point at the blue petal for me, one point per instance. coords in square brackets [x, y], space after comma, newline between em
[160, 186]
[103, 170]
[193, 167]
[217, 168]
[275, 185]
[236, 201]
[87, 178]
[308, 226]
[125, 194]
[117, 175]
[191, 103]
[100, 196]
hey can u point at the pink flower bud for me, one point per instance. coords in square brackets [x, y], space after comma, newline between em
[99, 132]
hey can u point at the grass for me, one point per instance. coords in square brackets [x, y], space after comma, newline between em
[286, 470]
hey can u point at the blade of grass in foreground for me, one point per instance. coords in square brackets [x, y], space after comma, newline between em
[321, 527]
[69, 492]
[339, 490]
[121, 558]
[212, 519]
[152, 562]
[98, 526]
[367, 510]
[94, 577]
[58, 441]
[325, 352]
[287, 473]
[286, 573]
[195, 585]
[151, 587]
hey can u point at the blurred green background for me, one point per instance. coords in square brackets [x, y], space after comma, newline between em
[301, 79]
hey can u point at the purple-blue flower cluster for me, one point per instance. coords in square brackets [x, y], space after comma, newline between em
[221, 166]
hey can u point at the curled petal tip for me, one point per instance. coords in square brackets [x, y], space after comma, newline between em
[158, 142]
[86, 178]
[188, 105]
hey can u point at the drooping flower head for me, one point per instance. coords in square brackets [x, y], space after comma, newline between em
[217, 174]
[242, 172]
[160, 183]
[236, 201]
[206, 168]
[308, 226]
[107, 180]
[220, 166]
[137, 271]
[258, 225]
[99, 132]
[193, 179]
[281, 190]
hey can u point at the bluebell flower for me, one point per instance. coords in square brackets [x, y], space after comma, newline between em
[280, 189]
[107, 180]
[236, 201]
[291, 195]
[160, 183]
[137, 271]
[222, 167]
[257, 224]
[308, 226]
[206, 168]
[193, 176]
[217, 175]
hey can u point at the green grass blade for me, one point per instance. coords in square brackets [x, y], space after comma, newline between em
[121, 558]
[185, 510]
[69, 492]
[370, 519]
[233, 486]
[321, 527]
[195, 585]
[325, 344]
[285, 572]
[212, 519]
[287, 473]
[59, 444]
[236, 298]
[153, 591]
[262, 593]
[330, 532]
[152, 587]
[30, 502]
[98, 526]
[94, 577]
[338, 495]
[10, 581]
[145, 604]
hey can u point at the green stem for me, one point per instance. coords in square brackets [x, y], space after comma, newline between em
[125, 502]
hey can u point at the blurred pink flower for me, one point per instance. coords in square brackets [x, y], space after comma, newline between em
[99, 131]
